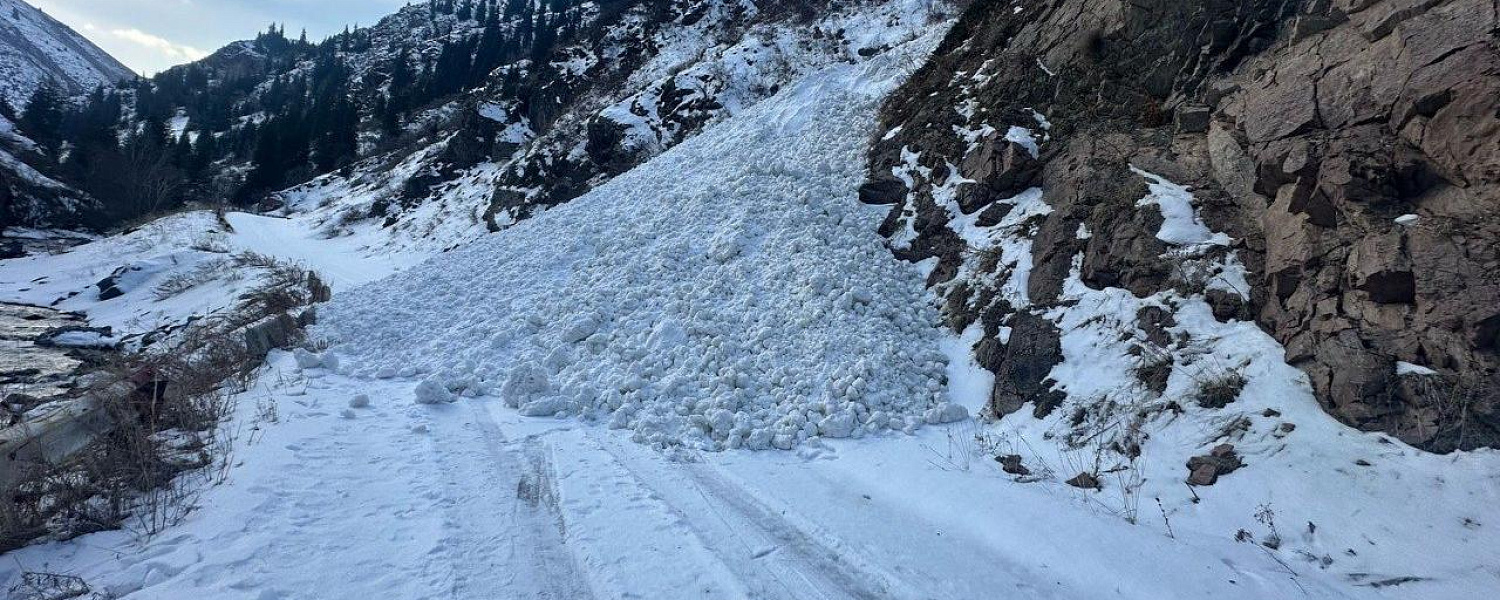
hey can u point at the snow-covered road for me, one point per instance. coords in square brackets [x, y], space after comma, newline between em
[470, 500]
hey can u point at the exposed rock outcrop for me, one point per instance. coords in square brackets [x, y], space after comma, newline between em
[1350, 150]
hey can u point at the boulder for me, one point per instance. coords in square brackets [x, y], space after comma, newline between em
[1206, 469]
[1086, 481]
[1011, 463]
[885, 190]
[1193, 119]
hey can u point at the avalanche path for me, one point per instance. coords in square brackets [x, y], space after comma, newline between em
[730, 293]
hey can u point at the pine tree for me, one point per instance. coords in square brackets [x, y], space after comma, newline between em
[514, 8]
[338, 143]
[268, 162]
[489, 54]
[546, 36]
[205, 152]
[42, 121]
[452, 69]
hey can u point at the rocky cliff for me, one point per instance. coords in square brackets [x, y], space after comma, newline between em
[1337, 162]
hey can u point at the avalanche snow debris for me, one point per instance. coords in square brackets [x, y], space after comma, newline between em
[732, 293]
[306, 359]
[433, 391]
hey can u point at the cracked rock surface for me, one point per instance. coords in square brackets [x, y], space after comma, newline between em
[1349, 148]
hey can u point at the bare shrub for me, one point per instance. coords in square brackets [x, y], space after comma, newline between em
[168, 405]
[53, 586]
[965, 443]
[179, 283]
[280, 280]
[1219, 390]
[1453, 402]
[211, 243]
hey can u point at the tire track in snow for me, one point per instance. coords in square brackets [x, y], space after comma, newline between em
[504, 533]
[769, 553]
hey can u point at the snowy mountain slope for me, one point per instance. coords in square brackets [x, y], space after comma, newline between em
[388, 496]
[35, 47]
[673, 74]
[29, 196]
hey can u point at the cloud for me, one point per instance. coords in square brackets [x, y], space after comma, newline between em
[163, 46]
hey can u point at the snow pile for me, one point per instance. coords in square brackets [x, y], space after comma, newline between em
[731, 293]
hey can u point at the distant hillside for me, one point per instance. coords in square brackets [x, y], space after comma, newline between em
[35, 47]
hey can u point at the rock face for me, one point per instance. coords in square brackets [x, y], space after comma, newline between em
[1308, 132]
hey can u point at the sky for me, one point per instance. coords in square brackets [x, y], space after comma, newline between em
[151, 35]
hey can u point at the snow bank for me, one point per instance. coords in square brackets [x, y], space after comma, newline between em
[731, 293]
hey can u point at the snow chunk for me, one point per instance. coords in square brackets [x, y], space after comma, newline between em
[431, 391]
[306, 359]
[546, 407]
[946, 413]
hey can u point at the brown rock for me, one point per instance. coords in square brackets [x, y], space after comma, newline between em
[1206, 470]
[1357, 112]
[1021, 374]
[1086, 481]
[1000, 169]
[1011, 463]
[1193, 119]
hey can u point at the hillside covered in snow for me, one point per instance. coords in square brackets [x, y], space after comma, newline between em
[35, 48]
[893, 299]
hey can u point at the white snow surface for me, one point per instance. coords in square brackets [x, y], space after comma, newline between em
[730, 293]
[1406, 368]
[196, 245]
[470, 500]
[1181, 225]
[81, 339]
